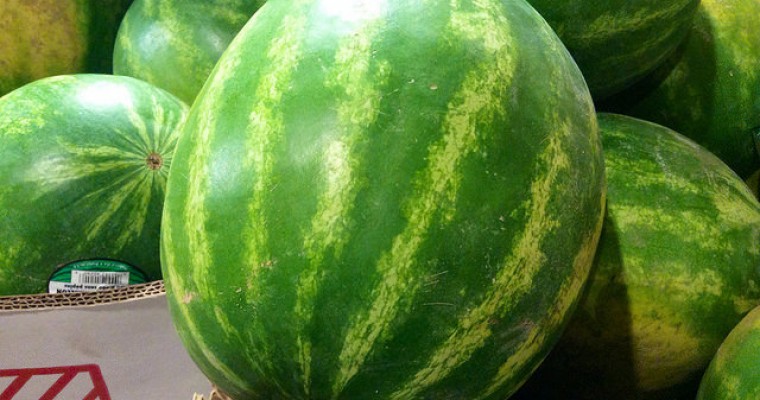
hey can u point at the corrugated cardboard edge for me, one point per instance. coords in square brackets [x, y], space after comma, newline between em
[215, 395]
[46, 301]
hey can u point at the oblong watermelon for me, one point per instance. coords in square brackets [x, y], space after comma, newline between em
[733, 373]
[83, 167]
[709, 90]
[617, 42]
[54, 37]
[678, 266]
[387, 199]
[174, 44]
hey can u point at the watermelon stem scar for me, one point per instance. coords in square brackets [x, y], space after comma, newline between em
[154, 161]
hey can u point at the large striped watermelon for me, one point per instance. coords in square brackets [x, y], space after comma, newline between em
[83, 167]
[710, 89]
[383, 199]
[734, 372]
[617, 42]
[678, 266]
[174, 44]
[53, 37]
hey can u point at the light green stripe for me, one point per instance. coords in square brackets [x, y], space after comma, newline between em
[115, 156]
[14, 250]
[159, 125]
[166, 141]
[229, 11]
[357, 110]
[166, 130]
[119, 194]
[643, 50]
[154, 8]
[477, 101]
[195, 212]
[33, 119]
[543, 330]
[141, 138]
[514, 280]
[134, 189]
[266, 129]
[736, 204]
[705, 230]
[183, 299]
[136, 146]
[49, 174]
[614, 24]
[138, 123]
[138, 200]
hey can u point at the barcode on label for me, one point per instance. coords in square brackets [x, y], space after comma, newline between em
[99, 278]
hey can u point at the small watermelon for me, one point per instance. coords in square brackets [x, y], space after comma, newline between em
[734, 372]
[83, 165]
[174, 44]
[384, 199]
[678, 266]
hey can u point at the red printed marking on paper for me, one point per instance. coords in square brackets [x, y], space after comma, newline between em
[67, 374]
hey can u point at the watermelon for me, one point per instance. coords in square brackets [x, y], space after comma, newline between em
[678, 266]
[174, 44]
[617, 42]
[53, 37]
[733, 373]
[709, 90]
[83, 167]
[386, 199]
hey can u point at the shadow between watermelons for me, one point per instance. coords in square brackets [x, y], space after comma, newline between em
[754, 183]
[104, 25]
[635, 100]
[626, 100]
[682, 94]
[576, 370]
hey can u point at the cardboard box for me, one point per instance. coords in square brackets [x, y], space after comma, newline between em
[214, 396]
[114, 344]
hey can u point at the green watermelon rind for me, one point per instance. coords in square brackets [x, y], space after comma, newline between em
[83, 168]
[174, 44]
[733, 372]
[365, 205]
[676, 269]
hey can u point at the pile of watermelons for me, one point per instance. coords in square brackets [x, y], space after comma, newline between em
[403, 199]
